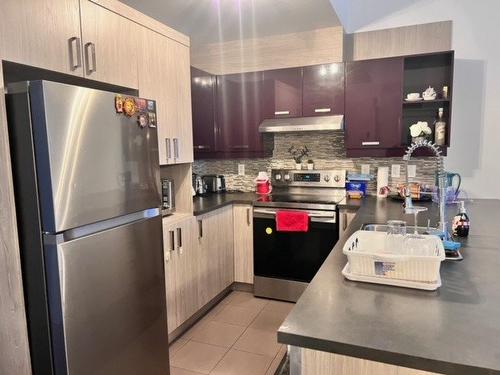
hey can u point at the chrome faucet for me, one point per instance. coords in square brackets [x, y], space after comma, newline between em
[442, 183]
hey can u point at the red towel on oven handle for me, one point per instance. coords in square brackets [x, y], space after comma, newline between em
[292, 221]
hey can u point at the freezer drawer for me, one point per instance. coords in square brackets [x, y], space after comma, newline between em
[91, 163]
[111, 314]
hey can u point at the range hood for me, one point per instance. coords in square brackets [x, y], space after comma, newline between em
[302, 124]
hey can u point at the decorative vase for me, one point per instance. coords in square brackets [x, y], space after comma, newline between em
[298, 166]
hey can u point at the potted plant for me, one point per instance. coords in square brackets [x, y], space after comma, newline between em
[420, 131]
[298, 154]
[310, 164]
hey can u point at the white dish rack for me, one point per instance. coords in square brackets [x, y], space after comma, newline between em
[368, 258]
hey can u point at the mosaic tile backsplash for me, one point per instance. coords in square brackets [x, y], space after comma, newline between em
[326, 149]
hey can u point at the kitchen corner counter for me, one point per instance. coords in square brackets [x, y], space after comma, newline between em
[454, 330]
[210, 202]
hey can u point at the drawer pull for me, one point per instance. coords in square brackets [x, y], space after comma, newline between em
[240, 147]
[322, 110]
[277, 113]
[374, 143]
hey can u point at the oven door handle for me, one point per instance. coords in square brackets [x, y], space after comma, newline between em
[326, 217]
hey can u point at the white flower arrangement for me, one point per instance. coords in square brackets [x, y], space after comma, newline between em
[420, 129]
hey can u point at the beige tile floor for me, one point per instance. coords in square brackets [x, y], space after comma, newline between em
[237, 337]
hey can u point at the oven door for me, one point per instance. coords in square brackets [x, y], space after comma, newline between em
[293, 256]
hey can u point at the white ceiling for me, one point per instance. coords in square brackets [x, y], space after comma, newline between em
[208, 21]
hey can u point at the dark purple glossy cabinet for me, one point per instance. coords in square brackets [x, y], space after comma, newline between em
[373, 110]
[282, 93]
[239, 113]
[323, 90]
[203, 110]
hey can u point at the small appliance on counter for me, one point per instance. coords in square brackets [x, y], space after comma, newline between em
[215, 183]
[168, 196]
[199, 186]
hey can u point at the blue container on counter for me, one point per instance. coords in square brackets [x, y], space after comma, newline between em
[357, 186]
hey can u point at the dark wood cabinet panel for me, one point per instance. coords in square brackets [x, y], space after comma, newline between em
[282, 93]
[323, 90]
[203, 110]
[239, 113]
[373, 110]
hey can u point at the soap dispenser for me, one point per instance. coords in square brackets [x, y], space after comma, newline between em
[461, 222]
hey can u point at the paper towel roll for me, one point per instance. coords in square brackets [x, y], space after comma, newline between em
[382, 179]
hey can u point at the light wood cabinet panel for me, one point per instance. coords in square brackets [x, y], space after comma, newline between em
[165, 76]
[39, 33]
[243, 243]
[182, 130]
[14, 346]
[345, 218]
[110, 46]
[171, 265]
[186, 270]
[323, 363]
[216, 259]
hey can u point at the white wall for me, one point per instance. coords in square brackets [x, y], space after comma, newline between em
[475, 146]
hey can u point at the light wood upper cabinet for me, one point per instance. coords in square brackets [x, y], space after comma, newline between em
[165, 77]
[243, 243]
[110, 46]
[42, 33]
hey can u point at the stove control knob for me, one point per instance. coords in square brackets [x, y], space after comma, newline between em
[326, 178]
[277, 177]
[336, 178]
[287, 177]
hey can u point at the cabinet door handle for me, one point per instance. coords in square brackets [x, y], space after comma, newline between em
[172, 240]
[200, 229]
[169, 150]
[277, 113]
[344, 224]
[90, 57]
[374, 143]
[75, 61]
[176, 148]
[240, 147]
[179, 240]
[248, 216]
[322, 110]
[201, 147]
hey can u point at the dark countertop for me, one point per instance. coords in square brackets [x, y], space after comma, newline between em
[454, 330]
[210, 202]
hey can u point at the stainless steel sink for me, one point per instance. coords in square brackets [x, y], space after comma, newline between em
[383, 228]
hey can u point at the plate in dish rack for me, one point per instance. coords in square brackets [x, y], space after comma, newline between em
[387, 281]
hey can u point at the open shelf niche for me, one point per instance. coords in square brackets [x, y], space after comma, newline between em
[420, 72]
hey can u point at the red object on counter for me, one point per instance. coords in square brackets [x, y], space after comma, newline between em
[263, 187]
[292, 221]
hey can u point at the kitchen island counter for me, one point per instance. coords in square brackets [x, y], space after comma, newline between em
[454, 330]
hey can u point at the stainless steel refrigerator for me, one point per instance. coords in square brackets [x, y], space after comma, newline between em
[87, 188]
